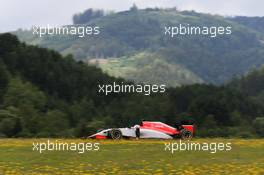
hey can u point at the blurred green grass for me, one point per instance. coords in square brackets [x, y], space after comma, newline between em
[132, 157]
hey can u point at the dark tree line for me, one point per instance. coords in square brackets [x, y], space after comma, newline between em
[87, 16]
[43, 94]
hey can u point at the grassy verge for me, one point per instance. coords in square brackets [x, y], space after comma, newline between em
[132, 157]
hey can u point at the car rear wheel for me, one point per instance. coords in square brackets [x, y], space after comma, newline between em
[116, 134]
[185, 134]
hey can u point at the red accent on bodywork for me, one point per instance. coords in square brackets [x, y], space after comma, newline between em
[162, 127]
[100, 137]
[158, 126]
[189, 128]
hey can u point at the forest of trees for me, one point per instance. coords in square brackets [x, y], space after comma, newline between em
[87, 16]
[43, 94]
[256, 23]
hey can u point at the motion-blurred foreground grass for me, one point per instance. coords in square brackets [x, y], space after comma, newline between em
[132, 157]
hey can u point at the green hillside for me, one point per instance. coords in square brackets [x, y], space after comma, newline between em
[149, 69]
[256, 23]
[128, 34]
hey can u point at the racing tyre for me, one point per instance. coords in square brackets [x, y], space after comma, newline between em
[116, 134]
[186, 135]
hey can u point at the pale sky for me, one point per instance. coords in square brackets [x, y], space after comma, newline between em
[16, 14]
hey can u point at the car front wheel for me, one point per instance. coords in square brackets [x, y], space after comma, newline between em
[116, 134]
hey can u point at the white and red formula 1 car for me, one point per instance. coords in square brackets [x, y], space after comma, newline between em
[148, 129]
